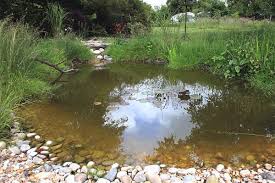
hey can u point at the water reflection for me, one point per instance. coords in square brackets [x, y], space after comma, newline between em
[150, 113]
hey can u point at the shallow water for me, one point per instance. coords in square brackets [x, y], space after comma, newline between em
[140, 114]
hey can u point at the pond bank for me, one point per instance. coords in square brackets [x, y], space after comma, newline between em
[22, 162]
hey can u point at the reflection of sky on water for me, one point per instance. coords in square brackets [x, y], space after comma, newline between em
[149, 119]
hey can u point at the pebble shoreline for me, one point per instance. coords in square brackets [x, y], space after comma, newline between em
[22, 161]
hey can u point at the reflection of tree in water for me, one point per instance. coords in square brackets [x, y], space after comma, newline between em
[234, 111]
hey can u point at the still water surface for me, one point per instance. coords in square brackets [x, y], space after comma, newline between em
[143, 113]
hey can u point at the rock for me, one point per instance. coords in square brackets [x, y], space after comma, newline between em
[164, 177]
[189, 179]
[84, 169]
[268, 176]
[3, 145]
[244, 173]
[21, 136]
[173, 170]
[19, 143]
[99, 57]
[69, 179]
[268, 166]
[220, 167]
[25, 147]
[32, 154]
[43, 175]
[107, 163]
[127, 168]
[227, 177]
[100, 173]
[90, 164]
[152, 169]
[101, 180]
[56, 147]
[49, 143]
[212, 179]
[153, 178]
[116, 165]
[92, 171]
[191, 171]
[182, 171]
[30, 135]
[44, 148]
[140, 177]
[111, 175]
[47, 167]
[80, 178]
[74, 167]
[121, 174]
[45, 152]
[126, 179]
[37, 160]
[15, 150]
[162, 166]
[96, 52]
[175, 180]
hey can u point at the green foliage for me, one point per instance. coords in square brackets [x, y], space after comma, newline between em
[22, 77]
[56, 16]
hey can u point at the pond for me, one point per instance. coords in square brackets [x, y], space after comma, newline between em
[140, 114]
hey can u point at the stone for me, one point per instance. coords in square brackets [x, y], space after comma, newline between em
[43, 175]
[97, 52]
[3, 145]
[111, 175]
[80, 178]
[32, 154]
[244, 173]
[140, 177]
[152, 169]
[182, 171]
[37, 160]
[90, 164]
[220, 167]
[212, 179]
[44, 148]
[45, 152]
[126, 179]
[153, 178]
[268, 176]
[175, 180]
[227, 177]
[74, 167]
[56, 147]
[47, 167]
[49, 143]
[127, 168]
[100, 173]
[19, 143]
[84, 169]
[101, 180]
[99, 57]
[164, 177]
[30, 135]
[121, 174]
[189, 179]
[268, 166]
[15, 150]
[21, 136]
[93, 171]
[115, 165]
[173, 170]
[25, 147]
[69, 179]
[191, 171]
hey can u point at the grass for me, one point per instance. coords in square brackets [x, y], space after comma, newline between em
[208, 39]
[22, 77]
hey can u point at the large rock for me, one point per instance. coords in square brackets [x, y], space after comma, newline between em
[69, 179]
[121, 174]
[74, 167]
[268, 176]
[111, 175]
[152, 169]
[140, 177]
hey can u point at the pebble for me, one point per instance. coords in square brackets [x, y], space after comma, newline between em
[15, 150]
[140, 177]
[90, 164]
[101, 180]
[173, 170]
[121, 174]
[220, 167]
[3, 145]
[99, 57]
[37, 160]
[49, 143]
[80, 178]
[126, 179]
[189, 179]
[69, 179]
[21, 136]
[111, 175]
[30, 135]
[268, 166]
[153, 178]
[244, 173]
[152, 169]
[212, 179]
[97, 52]
[74, 167]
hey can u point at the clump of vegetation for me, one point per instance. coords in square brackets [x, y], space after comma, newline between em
[22, 76]
[242, 50]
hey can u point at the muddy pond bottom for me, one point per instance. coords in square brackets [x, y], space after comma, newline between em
[141, 114]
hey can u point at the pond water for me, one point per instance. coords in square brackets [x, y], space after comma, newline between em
[139, 114]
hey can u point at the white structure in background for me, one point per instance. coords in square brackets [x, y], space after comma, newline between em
[178, 17]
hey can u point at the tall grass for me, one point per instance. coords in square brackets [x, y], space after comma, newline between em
[208, 39]
[56, 15]
[21, 77]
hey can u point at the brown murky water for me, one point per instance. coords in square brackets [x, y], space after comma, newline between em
[145, 114]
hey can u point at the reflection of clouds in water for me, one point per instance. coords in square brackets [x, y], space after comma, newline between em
[149, 119]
